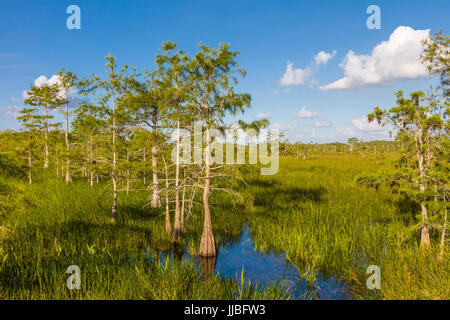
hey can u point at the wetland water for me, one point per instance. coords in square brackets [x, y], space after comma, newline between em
[263, 268]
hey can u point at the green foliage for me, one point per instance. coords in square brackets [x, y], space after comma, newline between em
[312, 210]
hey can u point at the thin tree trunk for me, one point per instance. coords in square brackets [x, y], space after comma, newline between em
[177, 225]
[113, 172]
[57, 164]
[128, 174]
[68, 176]
[114, 206]
[91, 160]
[46, 137]
[143, 161]
[168, 223]
[424, 233]
[207, 244]
[182, 202]
[29, 164]
[444, 228]
[156, 200]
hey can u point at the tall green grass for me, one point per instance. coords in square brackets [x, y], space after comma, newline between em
[311, 209]
[58, 225]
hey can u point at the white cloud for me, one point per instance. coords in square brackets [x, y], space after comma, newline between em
[323, 57]
[54, 79]
[15, 99]
[395, 59]
[299, 76]
[305, 114]
[262, 115]
[321, 124]
[295, 76]
[372, 129]
[10, 112]
[364, 125]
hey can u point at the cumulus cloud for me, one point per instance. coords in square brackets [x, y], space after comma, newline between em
[262, 115]
[364, 125]
[40, 81]
[295, 76]
[372, 129]
[305, 114]
[54, 79]
[323, 57]
[392, 60]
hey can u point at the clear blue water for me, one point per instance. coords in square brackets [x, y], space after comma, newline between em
[265, 268]
[235, 257]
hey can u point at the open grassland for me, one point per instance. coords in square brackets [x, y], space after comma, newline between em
[312, 210]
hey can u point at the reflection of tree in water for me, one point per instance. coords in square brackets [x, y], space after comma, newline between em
[208, 266]
[178, 252]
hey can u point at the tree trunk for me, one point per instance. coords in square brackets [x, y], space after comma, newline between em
[29, 165]
[114, 205]
[444, 228]
[57, 164]
[128, 174]
[168, 223]
[113, 173]
[156, 200]
[68, 176]
[143, 162]
[177, 224]
[46, 138]
[424, 233]
[91, 160]
[207, 244]
[182, 203]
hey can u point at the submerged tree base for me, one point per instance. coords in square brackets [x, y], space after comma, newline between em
[207, 245]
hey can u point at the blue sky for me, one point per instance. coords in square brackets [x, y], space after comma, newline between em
[308, 104]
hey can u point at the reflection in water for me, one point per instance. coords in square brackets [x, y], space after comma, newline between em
[259, 268]
[263, 268]
[208, 266]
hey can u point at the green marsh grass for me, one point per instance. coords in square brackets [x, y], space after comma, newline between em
[312, 210]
